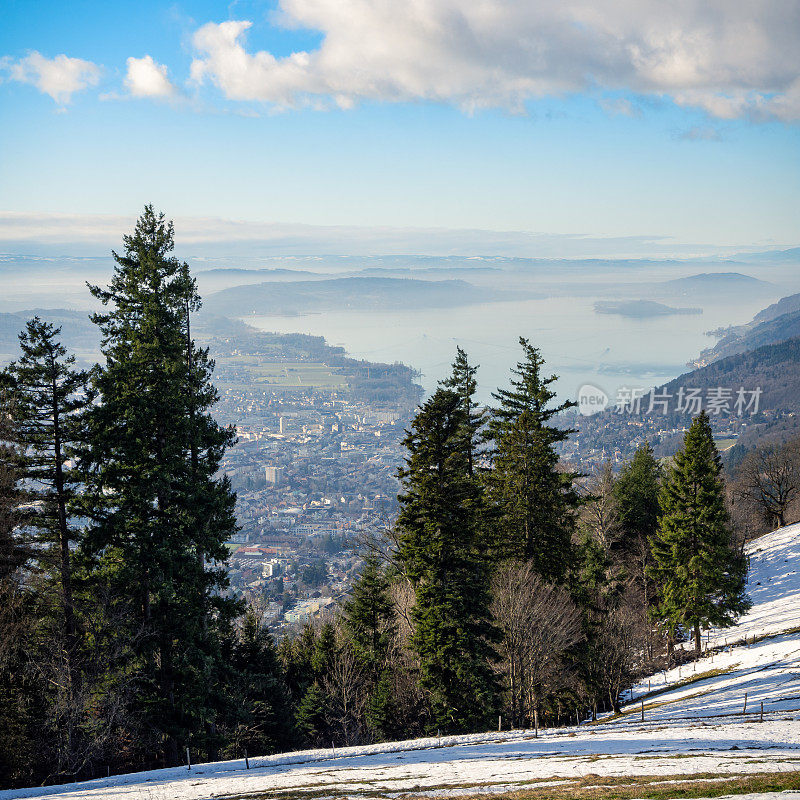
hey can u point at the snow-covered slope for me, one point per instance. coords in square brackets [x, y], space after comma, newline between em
[696, 731]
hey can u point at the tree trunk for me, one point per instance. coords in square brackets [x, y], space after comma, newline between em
[697, 647]
[63, 533]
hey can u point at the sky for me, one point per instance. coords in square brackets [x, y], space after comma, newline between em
[634, 126]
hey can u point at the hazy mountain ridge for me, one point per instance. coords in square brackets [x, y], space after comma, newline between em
[78, 333]
[727, 282]
[350, 293]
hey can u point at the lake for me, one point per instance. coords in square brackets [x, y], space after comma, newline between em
[578, 344]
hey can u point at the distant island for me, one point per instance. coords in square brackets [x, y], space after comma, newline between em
[640, 309]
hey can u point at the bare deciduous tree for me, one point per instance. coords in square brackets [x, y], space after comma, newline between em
[601, 514]
[770, 480]
[539, 622]
[347, 696]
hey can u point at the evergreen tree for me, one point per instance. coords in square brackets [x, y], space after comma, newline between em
[312, 715]
[462, 382]
[49, 395]
[636, 492]
[537, 502]
[368, 616]
[439, 551]
[159, 516]
[14, 550]
[369, 621]
[259, 698]
[700, 573]
[49, 398]
[296, 655]
[307, 660]
[602, 661]
[20, 707]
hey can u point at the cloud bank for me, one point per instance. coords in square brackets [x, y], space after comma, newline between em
[97, 234]
[59, 77]
[731, 59]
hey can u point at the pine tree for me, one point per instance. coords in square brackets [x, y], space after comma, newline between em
[636, 492]
[462, 382]
[700, 573]
[259, 698]
[536, 500]
[20, 706]
[370, 624]
[159, 516]
[439, 552]
[368, 616]
[14, 550]
[50, 395]
[308, 659]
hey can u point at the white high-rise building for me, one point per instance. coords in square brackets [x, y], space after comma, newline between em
[273, 475]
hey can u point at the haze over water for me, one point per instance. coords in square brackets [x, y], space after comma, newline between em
[578, 344]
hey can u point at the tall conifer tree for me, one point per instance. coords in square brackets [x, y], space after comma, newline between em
[49, 399]
[262, 716]
[462, 381]
[536, 500]
[440, 552]
[14, 550]
[159, 516]
[636, 492]
[700, 573]
[368, 616]
[20, 713]
[49, 396]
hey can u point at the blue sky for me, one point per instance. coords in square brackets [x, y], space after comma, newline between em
[543, 122]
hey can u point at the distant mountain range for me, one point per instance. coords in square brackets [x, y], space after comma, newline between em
[215, 280]
[78, 333]
[788, 256]
[347, 293]
[716, 282]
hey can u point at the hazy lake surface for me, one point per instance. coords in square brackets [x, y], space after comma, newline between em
[578, 344]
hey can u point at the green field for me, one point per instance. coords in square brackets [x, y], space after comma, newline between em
[280, 374]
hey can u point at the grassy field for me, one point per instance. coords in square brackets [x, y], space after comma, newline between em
[280, 374]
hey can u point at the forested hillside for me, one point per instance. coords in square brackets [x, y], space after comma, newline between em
[509, 587]
[774, 324]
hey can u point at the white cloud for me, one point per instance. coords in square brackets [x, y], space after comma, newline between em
[60, 77]
[728, 58]
[147, 78]
[247, 241]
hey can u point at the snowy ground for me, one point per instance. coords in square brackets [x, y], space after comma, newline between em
[696, 731]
